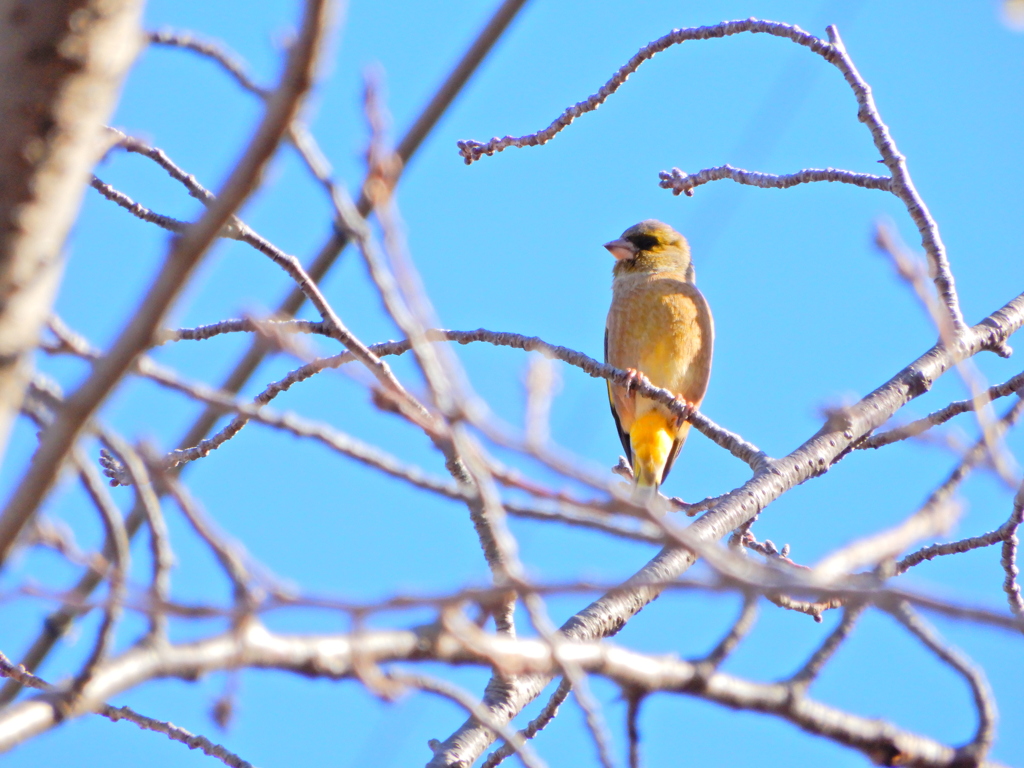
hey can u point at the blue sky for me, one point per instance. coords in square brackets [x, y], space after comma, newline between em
[807, 314]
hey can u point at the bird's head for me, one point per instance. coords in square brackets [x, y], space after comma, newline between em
[651, 246]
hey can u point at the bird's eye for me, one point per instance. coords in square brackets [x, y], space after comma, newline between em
[644, 242]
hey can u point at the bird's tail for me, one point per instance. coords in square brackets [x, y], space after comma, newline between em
[651, 438]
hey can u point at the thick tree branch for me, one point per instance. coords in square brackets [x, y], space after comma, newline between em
[605, 616]
[58, 623]
[941, 416]
[185, 254]
[339, 656]
[61, 68]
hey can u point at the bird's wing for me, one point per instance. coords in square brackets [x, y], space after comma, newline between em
[677, 446]
[623, 435]
[694, 382]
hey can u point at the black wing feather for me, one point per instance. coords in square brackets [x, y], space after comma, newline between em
[677, 446]
[623, 436]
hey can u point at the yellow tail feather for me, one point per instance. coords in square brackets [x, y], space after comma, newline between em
[651, 438]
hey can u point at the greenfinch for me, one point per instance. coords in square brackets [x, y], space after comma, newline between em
[658, 324]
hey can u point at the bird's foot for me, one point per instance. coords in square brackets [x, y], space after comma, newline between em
[689, 408]
[633, 377]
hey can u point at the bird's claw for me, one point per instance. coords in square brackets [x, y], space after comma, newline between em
[689, 408]
[632, 379]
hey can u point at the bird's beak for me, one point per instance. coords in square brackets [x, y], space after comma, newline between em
[621, 249]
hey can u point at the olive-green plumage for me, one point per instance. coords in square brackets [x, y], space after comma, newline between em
[658, 324]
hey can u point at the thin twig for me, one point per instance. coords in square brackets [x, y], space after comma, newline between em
[229, 554]
[214, 50]
[22, 676]
[337, 242]
[742, 449]
[138, 210]
[292, 423]
[472, 151]
[633, 701]
[184, 255]
[56, 624]
[739, 629]
[291, 265]
[801, 680]
[1009, 555]
[935, 516]
[979, 746]
[453, 693]
[113, 525]
[409, 310]
[1001, 534]
[160, 549]
[941, 416]
[682, 183]
[902, 185]
[914, 273]
[176, 733]
[535, 726]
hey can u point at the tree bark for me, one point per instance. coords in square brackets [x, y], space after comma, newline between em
[62, 63]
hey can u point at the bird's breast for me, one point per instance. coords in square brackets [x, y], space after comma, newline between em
[661, 325]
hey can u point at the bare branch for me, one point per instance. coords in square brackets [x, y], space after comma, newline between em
[1009, 555]
[911, 270]
[324, 434]
[185, 254]
[803, 677]
[834, 439]
[560, 488]
[228, 554]
[735, 444]
[902, 185]
[535, 726]
[138, 210]
[633, 702]
[935, 516]
[407, 147]
[979, 746]
[684, 183]
[20, 675]
[833, 52]
[941, 416]
[113, 524]
[215, 50]
[61, 74]
[246, 325]
[335, 656]
[472, 151]
[950, 548]
[160, 548]
[338, 240]
[176, 733]
[57, 623]
[578, 516]
[475, 708]
[740, 628]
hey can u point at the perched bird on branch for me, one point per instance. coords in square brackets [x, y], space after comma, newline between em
[659, 325]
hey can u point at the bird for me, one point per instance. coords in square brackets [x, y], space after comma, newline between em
[659, 325]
